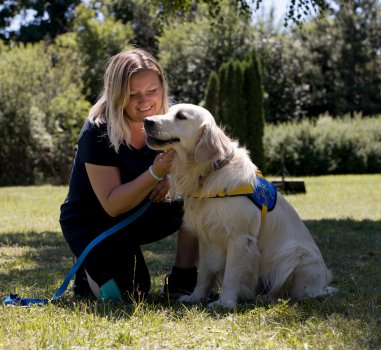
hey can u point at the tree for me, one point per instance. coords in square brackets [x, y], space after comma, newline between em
[97, 41]
[211, 99]
[296, 9]
[51, 18]
[331, 65]
[345, 65]
[190, 49]
[254, 109]
[360, 72]
[284, 63]
[143, 20]
[232, 100]
[238, 103]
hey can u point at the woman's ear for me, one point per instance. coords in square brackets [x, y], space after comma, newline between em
[212, 145]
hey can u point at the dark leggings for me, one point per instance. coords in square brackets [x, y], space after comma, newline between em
[119, 256]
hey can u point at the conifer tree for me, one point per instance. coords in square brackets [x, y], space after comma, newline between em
[255, 120]
[234, 96]
[223, 74]
[212, 93]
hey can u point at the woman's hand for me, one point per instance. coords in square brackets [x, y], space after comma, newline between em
[162, 163]
[161, 167]
[160, 192]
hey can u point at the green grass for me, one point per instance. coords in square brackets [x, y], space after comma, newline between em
[342, 212]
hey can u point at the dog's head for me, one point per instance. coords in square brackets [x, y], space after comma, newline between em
[188, 128]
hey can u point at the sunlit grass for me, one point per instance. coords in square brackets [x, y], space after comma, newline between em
[357, 197]
[342, 212]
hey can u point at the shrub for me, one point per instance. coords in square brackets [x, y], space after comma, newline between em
[325, 146]
[41, 111]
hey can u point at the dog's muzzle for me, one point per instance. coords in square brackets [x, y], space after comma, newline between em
[156, 137]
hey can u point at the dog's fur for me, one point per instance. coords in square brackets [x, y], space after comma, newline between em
[278, 258]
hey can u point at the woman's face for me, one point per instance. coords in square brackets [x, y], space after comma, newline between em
[146, 96]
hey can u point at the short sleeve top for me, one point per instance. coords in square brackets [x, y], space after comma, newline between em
[81, 207]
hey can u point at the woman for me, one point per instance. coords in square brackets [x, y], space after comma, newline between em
[113, 175]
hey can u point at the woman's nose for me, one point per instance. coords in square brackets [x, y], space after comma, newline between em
[143, 98]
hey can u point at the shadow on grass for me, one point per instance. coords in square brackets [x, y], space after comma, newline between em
[32, 261]
[352, 249]
[40, 261]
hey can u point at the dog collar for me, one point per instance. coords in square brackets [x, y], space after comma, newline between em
[263, 194]
[220, 163]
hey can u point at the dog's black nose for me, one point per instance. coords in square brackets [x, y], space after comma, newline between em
[148, 122]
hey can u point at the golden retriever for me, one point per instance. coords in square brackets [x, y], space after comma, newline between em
[245, 256]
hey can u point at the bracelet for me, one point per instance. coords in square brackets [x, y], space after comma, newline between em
[158, 178]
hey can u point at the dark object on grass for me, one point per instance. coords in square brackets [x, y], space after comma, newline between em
[288, 186]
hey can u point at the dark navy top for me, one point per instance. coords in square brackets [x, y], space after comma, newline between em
[81, 208]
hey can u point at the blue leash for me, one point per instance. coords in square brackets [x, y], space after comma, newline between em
[15, 299]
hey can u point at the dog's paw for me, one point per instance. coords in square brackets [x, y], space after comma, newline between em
[225, 303]
[331, 291]
[191, 299]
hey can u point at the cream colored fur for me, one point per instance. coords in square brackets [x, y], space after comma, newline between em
[278, 257]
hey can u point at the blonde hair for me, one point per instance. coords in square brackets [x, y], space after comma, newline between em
[115, 94]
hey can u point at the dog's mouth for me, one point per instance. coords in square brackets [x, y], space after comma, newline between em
[156, 137]
[155, 142]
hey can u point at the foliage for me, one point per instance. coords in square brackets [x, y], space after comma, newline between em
[236, 97]
[41, 111]
[327, 65]
[190, 49]
[284, 64]
[345, 72]
[254, 110]
[212, 94]
[97, 41]
[325, 146]
[142, 18]
[51, 18]
[297, 10]
[34, 259]
[331, 65]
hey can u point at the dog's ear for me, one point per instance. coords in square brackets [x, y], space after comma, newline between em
[212, 145]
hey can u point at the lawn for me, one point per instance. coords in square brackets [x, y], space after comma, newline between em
[342, 212]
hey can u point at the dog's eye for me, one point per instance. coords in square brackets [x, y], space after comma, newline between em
[180, 116]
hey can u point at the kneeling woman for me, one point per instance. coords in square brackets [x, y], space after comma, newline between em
[113, 175]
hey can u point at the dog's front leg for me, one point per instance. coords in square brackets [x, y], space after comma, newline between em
[241, 272]
[210, 262]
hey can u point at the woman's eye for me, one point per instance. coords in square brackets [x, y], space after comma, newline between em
[152, 91]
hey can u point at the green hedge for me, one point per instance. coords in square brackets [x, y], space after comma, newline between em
[325, 146]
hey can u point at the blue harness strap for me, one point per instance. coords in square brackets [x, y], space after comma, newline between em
[15, 299]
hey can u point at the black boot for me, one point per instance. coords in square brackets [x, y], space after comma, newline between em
[179, 282]
[81, 286]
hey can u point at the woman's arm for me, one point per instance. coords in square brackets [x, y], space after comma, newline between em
[117, 198]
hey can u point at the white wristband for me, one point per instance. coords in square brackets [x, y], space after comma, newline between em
[158, 178]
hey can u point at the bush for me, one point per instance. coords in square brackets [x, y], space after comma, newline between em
[41, 111]
[325, 146]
